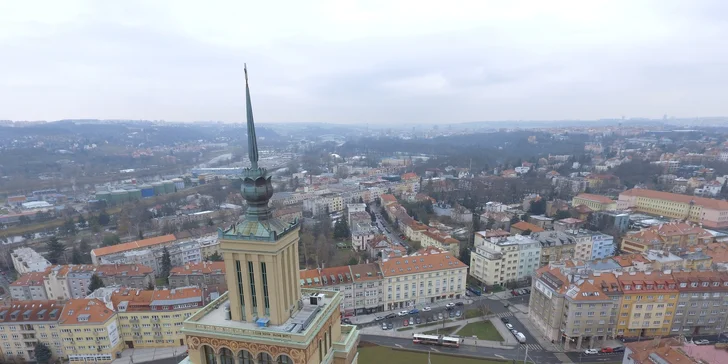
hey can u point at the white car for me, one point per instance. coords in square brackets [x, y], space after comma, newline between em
[509, 326]
[427, 308]
[591, 351]
[702, 342]
[450, 305]
[403, 313]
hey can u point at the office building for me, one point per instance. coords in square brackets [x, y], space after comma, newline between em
[709, 212]
[27, 260]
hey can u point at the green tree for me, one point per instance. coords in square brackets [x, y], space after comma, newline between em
[43, 354]
[140, 236]
[526, 232]
[95, 283]
[55, 250]
[562, 214]
[515, 219]
[81, 220]
[69, 226]
[150, 286]
[538, 207]
[103, 219]
[214, 257]
[111, 239]
[341, 229]
[166, 264]
[85, 250]
[353, 261]
[76, 256]
[210, 222]
[465, 255]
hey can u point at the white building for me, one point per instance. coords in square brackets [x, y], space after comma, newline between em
[498, 260]
[28, 260]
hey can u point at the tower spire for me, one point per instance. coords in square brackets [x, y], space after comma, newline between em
[252, 140]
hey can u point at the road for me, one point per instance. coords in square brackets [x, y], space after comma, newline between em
[383, 225]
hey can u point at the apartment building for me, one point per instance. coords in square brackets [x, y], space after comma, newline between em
[666, 237]
[98, 253]
[335, 278]
[24, 323]
[324, 204]
[368, 288]
[709, 212]
[89, 331]
[210, 276]
[591, 244]
[497, 261]
[648, 304]
[555, 246]
[28, 287]
[422, 279]
[594, 202]
[380, 246]
[701, 305]
[546, 302]
[153, 318]
[436, 239]
[192, 250]
[64, 282]
[27, 260]
[523, 226]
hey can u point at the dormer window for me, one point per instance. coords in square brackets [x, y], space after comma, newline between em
[683, 285]
[693, 284]
[705, 284]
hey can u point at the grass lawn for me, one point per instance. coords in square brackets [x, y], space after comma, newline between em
[159, 282]
[441, 331]
[381, 354]
[483, 330]
[473, 313]
[405, 328]
[432, 323]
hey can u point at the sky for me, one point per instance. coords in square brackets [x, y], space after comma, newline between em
[363, 62]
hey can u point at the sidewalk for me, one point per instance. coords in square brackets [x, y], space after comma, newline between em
[521, 313]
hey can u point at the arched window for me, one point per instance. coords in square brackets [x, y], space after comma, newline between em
[265, 358]
[226, 356]
[209, 355]
[284, 359]
[245, 357]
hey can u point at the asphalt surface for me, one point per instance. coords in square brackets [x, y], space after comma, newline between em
[393, 236]
[422, 315]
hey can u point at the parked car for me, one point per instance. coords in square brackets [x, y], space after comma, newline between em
[389, 326]
[414, 311]
[458, 313]
[509, 326]
[406, 323]
[514, 292]
[384, 325]
[504, 320]
[618, 349]
[702, 342]
[451, 314]
[346, 321]
[439, 316]
[591, 351]
[514, 331]
[458, 303]
[521, 291]
[403, 313]
[607, 350]
[426, 309]
[412, 321]
[451, 305]
[390, 316]
[528, 290]
[418, 321]
[378, 318]
[428, 319]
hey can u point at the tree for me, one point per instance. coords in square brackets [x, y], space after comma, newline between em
[562, 214]
[111, 239]
[140, 234]
[515, 219]
[43, 354]
[166, 264]
[526, 232]
[210, 222]
[55, 250]
[150, 286]
[189, 225]
[81, 220]
[353, 261]
[103, 219]
[76, 256]
[95, 283]
[464, 255]
[23, 220]
[214, 257]
[85, 250]
[538, 207]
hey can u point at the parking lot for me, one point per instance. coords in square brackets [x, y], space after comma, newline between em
[435, 314]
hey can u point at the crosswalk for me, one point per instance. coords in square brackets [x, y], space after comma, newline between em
[504, 314]
[531, 346]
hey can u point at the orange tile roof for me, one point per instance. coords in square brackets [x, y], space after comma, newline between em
[419, 264]
[39, 311]
[199, 268]
[103, 270]
[366, 272]
[133, 245]
[85, 311]
[30, 279]
[493, 233]
[442, 239]
[523, 226]
[387, 198]
[409, 176]
[141, 300]
[596, 198]
[674, 197]
[641, 350]
[583, 209]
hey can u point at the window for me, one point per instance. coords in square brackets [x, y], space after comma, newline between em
[209, 355]
[265, 358]
[241, 295]
[284, 359]
[226, 356]
[251, 274]
[266, 301]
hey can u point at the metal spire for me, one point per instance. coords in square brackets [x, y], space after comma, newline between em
[252, 140]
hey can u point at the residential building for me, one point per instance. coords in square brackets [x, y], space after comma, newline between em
[709, 212]
[439, 240]
[29, 287]
[555, 246]
[568, 224]
[672, 351]
[153, 318]
[63, 282]
[336, 279]
[98, 253]
[594, 202]
[380, 246]
[522, 226]
[181, 252]
[289, 213]
[28, 260]
[542, 221]
[498, 261]
[23, 323]
[328, 203]
[701, 306]
[668, 236]
[210, 276]
[422, 279]
[648, 304]
[368, 288]
[265, 316]
[611, 221]
[89, 331]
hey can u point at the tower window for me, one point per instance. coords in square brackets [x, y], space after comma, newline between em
[266, 301]
[241, 293]
[251, 272]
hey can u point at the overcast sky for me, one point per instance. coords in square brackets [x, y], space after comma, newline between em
[376, 62]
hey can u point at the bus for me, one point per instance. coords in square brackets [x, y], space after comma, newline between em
[442, 340]
[474, 291]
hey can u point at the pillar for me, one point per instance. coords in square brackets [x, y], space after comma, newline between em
[578, 343]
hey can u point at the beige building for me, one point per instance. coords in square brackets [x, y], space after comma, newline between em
[498, 261]
[422, 279]
[709, 212]
[210, 276]
[24, 323]
[594, 202]
[436, 239]
[64, 282]
[29, 286]
[265, 316]
[89, 331]
[27, 260]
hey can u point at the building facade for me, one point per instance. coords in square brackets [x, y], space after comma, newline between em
[709, 212]
[210, 276]
[498, 261]
[29, 287]
[701, 305]
[23, 323]
[89, 331]
[27, 260]
[594, 202]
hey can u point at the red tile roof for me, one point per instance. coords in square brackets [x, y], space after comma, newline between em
[420, 264]
[85, 311]
[674, 197]
[133, 245]
[596, 198]
[523, 226]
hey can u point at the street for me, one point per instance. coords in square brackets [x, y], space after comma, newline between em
[392, 234]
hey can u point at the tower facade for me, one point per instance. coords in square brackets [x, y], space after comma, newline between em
[265, 316]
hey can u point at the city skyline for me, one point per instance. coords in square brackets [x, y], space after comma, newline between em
[354, 62]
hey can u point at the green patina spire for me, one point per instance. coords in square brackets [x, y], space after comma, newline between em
[257, 189]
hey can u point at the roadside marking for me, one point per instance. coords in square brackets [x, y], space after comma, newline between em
[500, 356]
[435, 350]
[399, 346]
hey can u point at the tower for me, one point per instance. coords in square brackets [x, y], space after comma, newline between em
[265, 316]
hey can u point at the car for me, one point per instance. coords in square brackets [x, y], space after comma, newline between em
[412, 321]
[346, 321]
[504, 320]
[418, 321]
[458, 313]
[702, 342]
[414, 311]
[618, 349]
[591, 351]
[606, 350]
[427, 308]
[509, 326]
[514, 331]
[451, 314]
[384, 325]
[390, 316]
[428, 319]
[467, 294]
[521, 292]
[403, 313]
[451, 305]
[514, 292]
[528, 290]
[439, 316]
[389, 326]
[406, 323]
[378, 318]
[459, 303]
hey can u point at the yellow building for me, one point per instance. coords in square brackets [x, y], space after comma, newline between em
[709, 212]
[441, 241]
[89, 331]
[648, 304]
[594, 202]
[153, 318]
[23, 323]
[265, 316]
